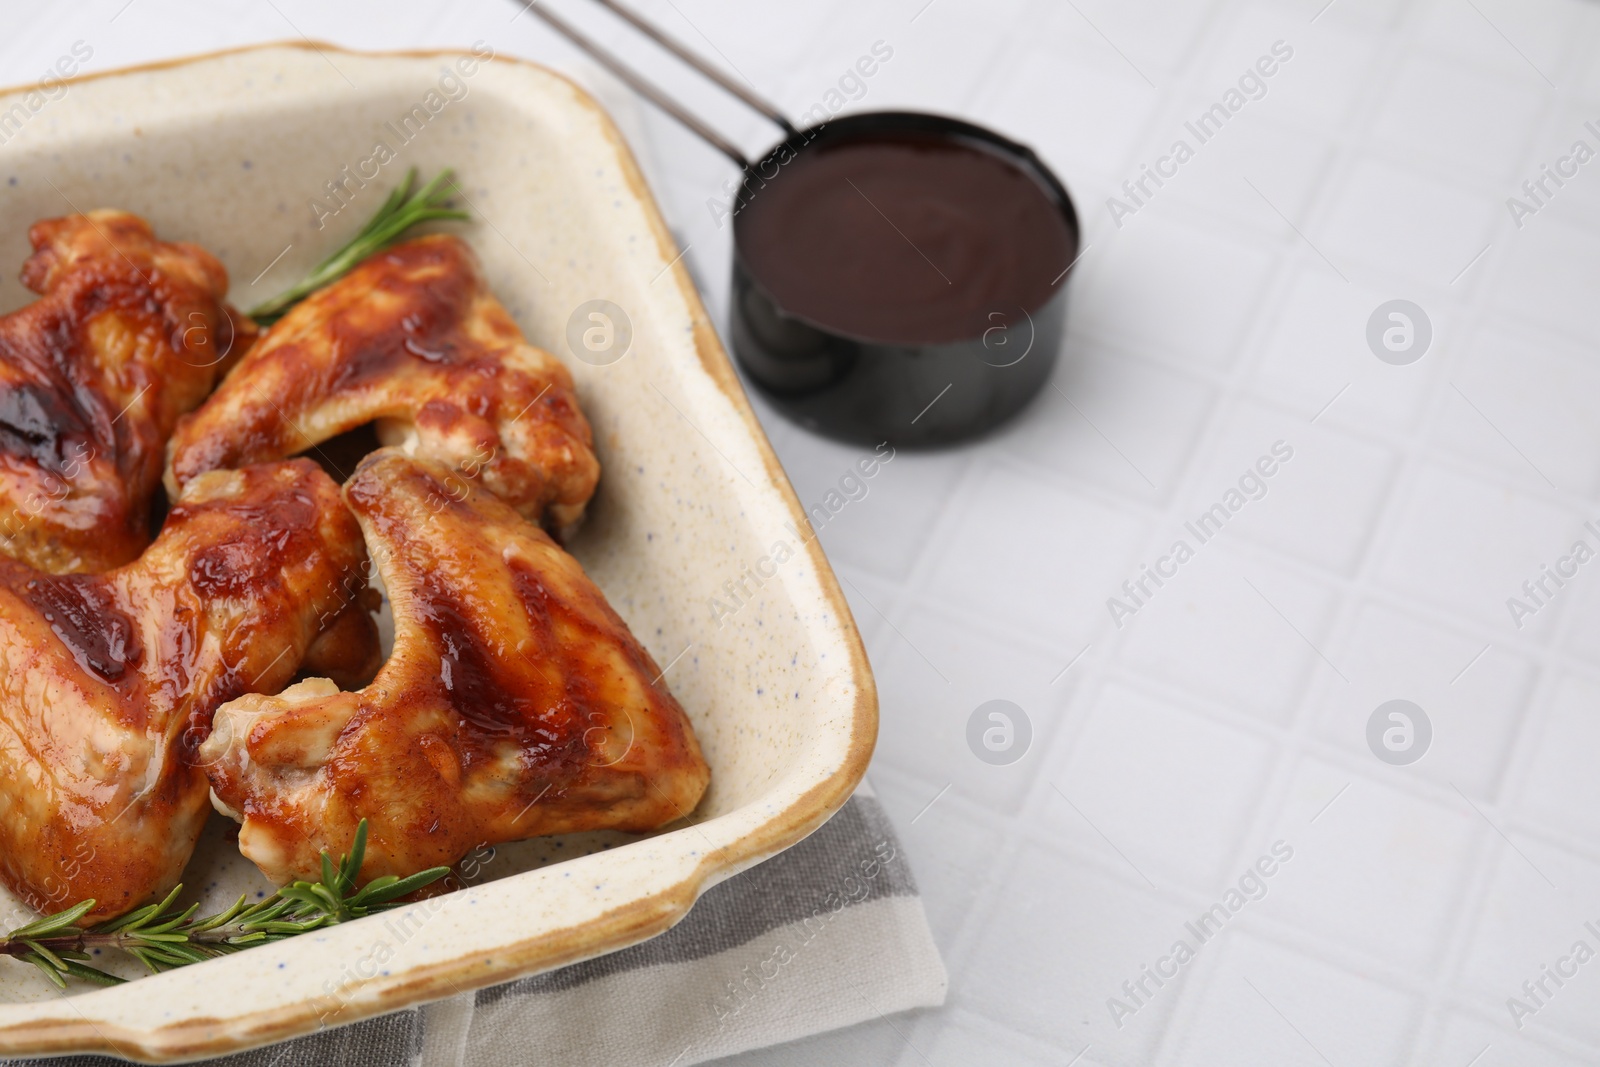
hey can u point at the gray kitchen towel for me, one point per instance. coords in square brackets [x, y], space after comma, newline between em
[828, 934]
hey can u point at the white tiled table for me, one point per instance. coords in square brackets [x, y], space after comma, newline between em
[1230, 712]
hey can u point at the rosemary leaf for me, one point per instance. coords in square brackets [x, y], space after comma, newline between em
[54, 924]
[152, 936]
[330, 880]
[284, 928]
[376, 894]
[89, 974]
[55, 961]
[352, 863]
[301, 893]
[49, 971]
[222, 918]
[171, 923]
[137, 918]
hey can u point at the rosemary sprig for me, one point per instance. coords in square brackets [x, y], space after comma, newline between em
[403, 210]
[162, 936]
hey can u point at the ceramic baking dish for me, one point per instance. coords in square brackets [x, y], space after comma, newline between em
[269, 157]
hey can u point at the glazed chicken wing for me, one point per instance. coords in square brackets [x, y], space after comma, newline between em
[108, 682]
[128, 334]
[516, 703]
[413, 341]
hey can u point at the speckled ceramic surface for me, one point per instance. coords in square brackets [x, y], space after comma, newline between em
[233, 151]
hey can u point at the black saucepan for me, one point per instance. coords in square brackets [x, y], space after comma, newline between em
[897, 276]
[870, 381]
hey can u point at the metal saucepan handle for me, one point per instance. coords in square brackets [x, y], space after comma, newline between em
[653, 93]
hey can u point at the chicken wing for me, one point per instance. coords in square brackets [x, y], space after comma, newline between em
[516, 702]
[412, 340]
[128, 334]
[108, 682]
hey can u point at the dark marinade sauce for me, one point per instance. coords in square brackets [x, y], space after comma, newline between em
[906, 238]
[84, 615]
